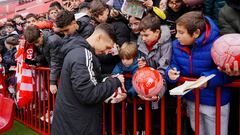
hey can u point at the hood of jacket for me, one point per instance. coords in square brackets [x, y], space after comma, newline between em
[75, 42]
[210, 33]
[83, 21]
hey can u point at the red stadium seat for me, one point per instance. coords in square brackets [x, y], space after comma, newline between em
[6, 113]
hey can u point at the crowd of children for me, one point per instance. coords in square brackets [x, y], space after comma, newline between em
[176, 42]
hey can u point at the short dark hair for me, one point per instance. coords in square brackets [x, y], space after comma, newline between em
[64, 18]
[12, 40]
[56, 4]
[31, 33]
[31, 15]
[18, 16]
[108, 29]
[51, 8]
[9, 24]
[150, 21]
[192, 21]
[97, 7]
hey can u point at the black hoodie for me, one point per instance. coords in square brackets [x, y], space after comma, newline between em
[80, 95]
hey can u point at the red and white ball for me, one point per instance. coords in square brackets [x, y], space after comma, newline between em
[147, 82]
[226, 50]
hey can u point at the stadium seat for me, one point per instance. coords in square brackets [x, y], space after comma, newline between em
[6, 113]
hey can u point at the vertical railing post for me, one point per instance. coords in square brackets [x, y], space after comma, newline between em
[39, 100]
[112, 119]
[134, 116]
[218, 111]
[103, 119]
[162, 116]
[148, 118]
[42, 91]
[197, 107]
[49, 103]
[123, 117]
[179, 111]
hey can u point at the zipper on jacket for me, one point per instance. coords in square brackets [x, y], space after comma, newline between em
[190, 62]
[189, 52]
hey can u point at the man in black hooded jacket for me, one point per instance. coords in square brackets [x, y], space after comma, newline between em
[78, 103]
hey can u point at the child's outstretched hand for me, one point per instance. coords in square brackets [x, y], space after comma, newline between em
[142, 62]
[173, 74]
[148, 3]
[114, 13]
[53, 89]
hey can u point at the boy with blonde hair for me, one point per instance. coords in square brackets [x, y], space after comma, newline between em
[128, 66]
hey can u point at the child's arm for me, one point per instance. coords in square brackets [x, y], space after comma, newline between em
[117, 69]
[132, 92]
[174, 69]
[164, 61]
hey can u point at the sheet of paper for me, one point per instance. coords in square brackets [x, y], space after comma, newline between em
[133, 8]
[189, 85]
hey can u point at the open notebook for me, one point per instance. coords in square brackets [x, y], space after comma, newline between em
[189, 85]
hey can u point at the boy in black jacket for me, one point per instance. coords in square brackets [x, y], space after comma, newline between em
[49, 46]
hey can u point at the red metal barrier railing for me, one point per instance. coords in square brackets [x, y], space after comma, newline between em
[235, 84]
[37, 115]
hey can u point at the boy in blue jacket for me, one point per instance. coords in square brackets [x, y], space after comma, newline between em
[128, 65]
[192, 57]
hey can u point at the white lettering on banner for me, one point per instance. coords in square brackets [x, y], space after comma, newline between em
[29, 53]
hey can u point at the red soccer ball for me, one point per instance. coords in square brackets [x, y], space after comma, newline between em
[147, 82]
[193, 2]
[226, 49]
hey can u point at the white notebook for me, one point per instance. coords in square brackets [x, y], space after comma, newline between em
[189, 85]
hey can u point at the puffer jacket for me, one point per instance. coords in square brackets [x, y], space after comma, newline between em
[197, 61]
[50, 50]
[229, 20]
[211, 8]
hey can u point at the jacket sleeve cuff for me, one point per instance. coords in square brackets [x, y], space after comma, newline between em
[52, 82]
[119, 84]
[167, 77]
